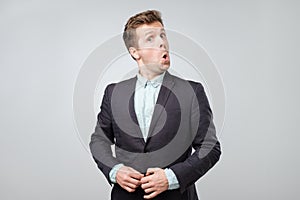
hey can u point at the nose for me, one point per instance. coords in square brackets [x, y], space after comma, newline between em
[163, 44]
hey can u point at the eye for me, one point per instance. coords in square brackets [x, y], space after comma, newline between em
[162, 35]
[149, 39]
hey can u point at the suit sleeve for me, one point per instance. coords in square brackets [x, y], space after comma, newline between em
[103, 137]
[207, 147]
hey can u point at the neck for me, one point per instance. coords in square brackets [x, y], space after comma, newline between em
[149, 75]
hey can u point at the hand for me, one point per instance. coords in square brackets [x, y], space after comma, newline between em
[128, 178]
[154, 183]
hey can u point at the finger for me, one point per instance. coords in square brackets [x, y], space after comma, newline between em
[146, 185]
[128, 189]
[130, 185]
[135, 175]
[133, 181]
[146, 179]
[151, 195]
[149, 190]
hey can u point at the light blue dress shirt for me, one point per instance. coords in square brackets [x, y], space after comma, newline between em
[145, 97]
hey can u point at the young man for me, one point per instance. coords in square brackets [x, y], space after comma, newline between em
[154, 120]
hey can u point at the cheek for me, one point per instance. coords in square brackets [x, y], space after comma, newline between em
[149, 55]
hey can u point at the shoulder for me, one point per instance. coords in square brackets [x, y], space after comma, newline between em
[195, 85]
[122, 84]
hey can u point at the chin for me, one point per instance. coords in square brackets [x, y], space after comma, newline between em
[164, 68]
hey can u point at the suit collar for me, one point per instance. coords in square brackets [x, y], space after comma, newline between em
[144, 82]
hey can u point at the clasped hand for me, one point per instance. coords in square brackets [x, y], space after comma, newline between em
[153, 183]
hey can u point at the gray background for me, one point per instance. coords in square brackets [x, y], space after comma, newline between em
[43, 44]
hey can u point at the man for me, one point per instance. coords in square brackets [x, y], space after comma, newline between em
[154, 120]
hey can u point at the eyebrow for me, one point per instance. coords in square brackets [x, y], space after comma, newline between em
[148, 32]
[151, 31]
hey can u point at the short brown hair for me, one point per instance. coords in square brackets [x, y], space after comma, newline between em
[146, 17]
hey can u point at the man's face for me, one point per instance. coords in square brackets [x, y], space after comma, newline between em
[153, 47]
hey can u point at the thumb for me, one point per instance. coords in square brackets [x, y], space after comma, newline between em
[151, 171]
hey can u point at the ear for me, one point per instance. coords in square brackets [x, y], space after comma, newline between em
[134, 53]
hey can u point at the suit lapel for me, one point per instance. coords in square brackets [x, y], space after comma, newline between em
[163, 96]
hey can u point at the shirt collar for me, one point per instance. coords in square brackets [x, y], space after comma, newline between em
[142, 81]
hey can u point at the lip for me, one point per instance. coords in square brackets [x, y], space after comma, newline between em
[165, 56]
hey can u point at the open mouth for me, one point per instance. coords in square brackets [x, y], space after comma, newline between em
[165, 55]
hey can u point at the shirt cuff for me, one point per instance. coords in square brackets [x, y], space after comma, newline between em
[172, 179]
[113, 172]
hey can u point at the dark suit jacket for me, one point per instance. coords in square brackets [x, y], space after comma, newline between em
[182, 114]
